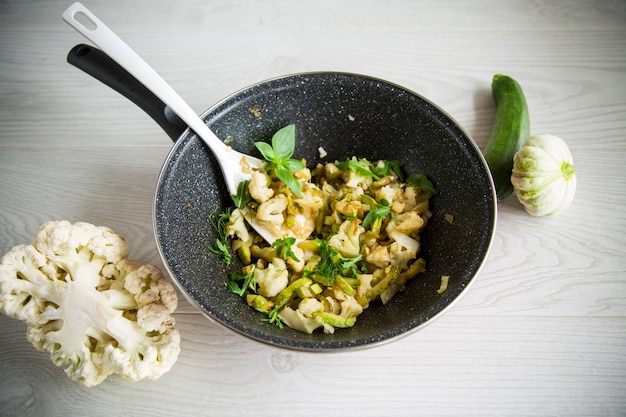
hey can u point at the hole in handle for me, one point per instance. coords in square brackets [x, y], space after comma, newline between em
[82, 50]
[85, 21]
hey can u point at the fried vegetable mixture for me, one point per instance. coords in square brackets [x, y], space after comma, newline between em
[348, 233]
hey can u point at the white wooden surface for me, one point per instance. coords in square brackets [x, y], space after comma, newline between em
[542, 331]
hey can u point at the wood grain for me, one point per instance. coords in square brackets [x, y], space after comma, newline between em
[472, 366]
[540, 332]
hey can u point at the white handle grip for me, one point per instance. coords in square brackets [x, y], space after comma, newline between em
[88, 25]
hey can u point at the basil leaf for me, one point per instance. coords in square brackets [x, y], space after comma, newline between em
[290, 181]
[279, 157]
[266, 150]
[293, 165]
[284, 142]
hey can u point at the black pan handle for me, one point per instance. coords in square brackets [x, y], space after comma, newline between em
[100, 66]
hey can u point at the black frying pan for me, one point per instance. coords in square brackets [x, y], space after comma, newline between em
[347, 115]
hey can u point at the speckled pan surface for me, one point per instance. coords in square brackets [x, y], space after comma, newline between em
[347, 115]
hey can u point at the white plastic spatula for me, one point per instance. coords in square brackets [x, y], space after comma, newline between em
[231, 162]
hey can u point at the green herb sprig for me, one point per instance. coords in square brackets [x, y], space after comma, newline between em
[358, 165]
[239, 283]
[243, 197]
[279, 156]
[420, 182]
[283, 248]
[272, 317]
[326, 270]
[389, 168]
[368, 169]
[219, 222]
[351, 264]
[377, 214]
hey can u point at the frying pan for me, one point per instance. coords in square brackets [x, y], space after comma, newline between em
[347, 115]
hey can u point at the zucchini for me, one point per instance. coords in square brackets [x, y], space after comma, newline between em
[510, 129]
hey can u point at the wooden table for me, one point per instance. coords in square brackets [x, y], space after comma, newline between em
[541, 332]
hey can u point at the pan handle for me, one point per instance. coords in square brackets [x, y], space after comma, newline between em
[100, 66]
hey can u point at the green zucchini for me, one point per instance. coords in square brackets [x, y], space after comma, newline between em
[510, 129]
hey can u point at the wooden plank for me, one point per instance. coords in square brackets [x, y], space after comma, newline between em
[454, 72]
[327, 15]
[471, 366]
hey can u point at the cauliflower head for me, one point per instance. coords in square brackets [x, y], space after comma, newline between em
[94, 310]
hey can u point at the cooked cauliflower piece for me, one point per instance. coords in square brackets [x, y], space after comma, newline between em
[271, 211]
[272, 279]
[296, 265]
[350, 307]
[400, 255]
[237, 226]
[259, 187]
[391, 193]
[379, 256]
[356, 180]
[346, 241]
[309, 305]
[407, 223]
[298, 321]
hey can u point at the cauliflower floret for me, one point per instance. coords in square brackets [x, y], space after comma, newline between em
[404, 248]
[350, 208]
[400, 255]
[272, 279]
[404, 241]
[329, 192]
[354, 180]
[75, 243]
[331, 171]
[271, 211]
[309, 305]
[156, 298]
[304, 223]
[303, 175]
[296, 320]
[391, 193]
[259, 187]
[95, 311]
[24, 286]
[331, 305]
[346, 241]
[296, 266]
[379, 256]
[350, 308]
[311, 197]
[408, 222]
[415, 200]
[365, 284]
[237, 226]
[409, 198]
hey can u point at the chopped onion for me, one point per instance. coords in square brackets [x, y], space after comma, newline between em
[444, 284]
